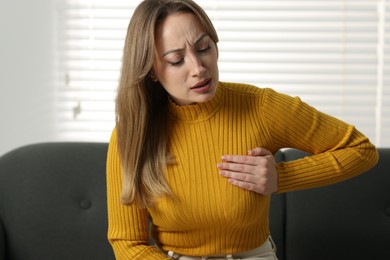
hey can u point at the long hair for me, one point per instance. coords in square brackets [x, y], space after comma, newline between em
[142, 121]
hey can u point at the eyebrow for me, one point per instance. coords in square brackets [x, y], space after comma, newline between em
[200, 38]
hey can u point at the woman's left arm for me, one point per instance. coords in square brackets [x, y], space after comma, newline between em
[353, 155]
[339, 150]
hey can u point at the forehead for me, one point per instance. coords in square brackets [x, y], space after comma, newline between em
[178, 29]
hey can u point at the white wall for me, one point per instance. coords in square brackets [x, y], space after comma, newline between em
[26, 64]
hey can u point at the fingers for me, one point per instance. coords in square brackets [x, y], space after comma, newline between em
[255, 171]
[256, 187]
[241, 173]
[246, 163]
[236, 166]
[244, 185]
[249, 159]
[239, 176]
[264, 183]
[240, 159]
[246, 181]
[259, 152]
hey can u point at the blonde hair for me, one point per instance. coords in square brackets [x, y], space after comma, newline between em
[142, 122]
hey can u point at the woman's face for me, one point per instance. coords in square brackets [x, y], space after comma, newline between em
[185, 60]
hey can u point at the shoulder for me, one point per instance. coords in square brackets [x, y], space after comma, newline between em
[263, 98]
[248, 91]
[241, 88]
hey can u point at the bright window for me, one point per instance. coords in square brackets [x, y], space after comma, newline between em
[333, 54]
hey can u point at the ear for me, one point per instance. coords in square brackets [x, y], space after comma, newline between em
[153, 76]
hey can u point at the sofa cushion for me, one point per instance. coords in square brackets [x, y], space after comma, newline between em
[53, 202]
[277, 220]
[277, 216]
[348, 220]
[2, 241]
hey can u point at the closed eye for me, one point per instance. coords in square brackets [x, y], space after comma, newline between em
[176, 63]
[204, 50]
[181, 61]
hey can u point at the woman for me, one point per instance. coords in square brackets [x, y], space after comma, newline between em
[195, 155]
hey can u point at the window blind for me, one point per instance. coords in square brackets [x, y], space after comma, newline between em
[333, 54]
[384, 92]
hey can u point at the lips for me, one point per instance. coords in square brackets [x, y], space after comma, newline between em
[201, 84]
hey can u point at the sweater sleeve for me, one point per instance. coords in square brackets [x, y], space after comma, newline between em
[339, 150]
[127, 224]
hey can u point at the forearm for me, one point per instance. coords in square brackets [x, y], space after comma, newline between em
[337, 164]
[128, 234]
[124, 250]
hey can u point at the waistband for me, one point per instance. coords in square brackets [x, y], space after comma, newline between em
[266, 247]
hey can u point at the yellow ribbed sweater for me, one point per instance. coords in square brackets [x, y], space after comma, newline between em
[211, 216]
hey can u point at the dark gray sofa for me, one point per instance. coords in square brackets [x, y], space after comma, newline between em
[53, 206]
[53, 202]
[348, 220]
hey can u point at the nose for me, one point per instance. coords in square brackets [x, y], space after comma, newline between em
[197, 67]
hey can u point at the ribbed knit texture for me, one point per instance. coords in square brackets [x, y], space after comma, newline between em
[210, 216]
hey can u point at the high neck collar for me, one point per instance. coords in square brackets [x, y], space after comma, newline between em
[199, 111]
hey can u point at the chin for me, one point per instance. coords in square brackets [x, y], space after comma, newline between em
[206, 98]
